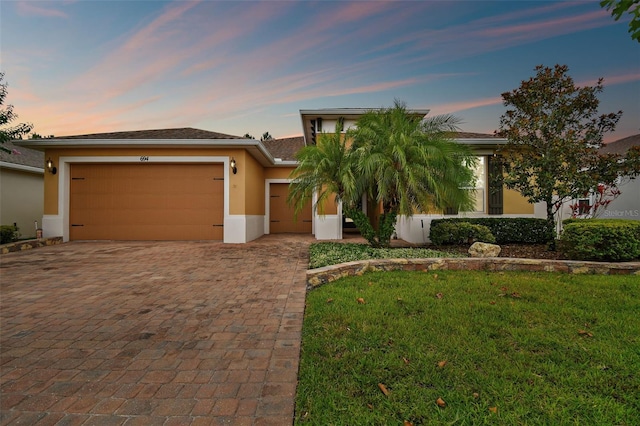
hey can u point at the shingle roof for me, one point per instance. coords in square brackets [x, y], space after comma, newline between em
[181, 133]
[284, 148]
[22, 156]
[621, 146]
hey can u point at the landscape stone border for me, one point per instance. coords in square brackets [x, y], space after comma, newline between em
[319, 276]
[29, 244]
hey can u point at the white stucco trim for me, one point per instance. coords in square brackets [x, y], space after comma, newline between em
[59, 224]
[21, 167]
[239, 229]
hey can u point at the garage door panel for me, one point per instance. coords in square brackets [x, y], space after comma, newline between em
[281, 215]
[147, 202]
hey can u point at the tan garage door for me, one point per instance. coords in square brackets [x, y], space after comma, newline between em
[281, 215]
[146, 202]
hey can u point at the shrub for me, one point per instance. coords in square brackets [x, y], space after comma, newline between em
[601, 240]
[509, 229]
[8, 234]
[460, 233]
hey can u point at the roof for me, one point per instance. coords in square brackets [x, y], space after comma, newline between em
[21, 157]
[284, 148]
[179, 133]
[621, 146]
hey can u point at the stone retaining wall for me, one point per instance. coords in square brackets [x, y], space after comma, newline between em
[29, 244]
[319, 276]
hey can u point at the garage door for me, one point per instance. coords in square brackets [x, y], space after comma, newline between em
[146, 202]
[281, 215]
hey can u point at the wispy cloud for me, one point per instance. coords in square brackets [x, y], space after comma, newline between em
[29, 8]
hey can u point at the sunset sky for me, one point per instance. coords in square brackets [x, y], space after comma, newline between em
[84, 66]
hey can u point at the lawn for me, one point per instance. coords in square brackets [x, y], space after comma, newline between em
[469, 348]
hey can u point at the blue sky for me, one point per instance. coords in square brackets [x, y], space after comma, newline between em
[83, 66]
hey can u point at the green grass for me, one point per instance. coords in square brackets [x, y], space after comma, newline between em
[328, 253]
[539, 349]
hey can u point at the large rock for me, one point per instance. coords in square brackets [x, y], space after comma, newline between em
[479, 249]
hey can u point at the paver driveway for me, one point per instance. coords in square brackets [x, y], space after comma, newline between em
[146, 333]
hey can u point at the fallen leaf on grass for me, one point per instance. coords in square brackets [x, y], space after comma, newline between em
[406, 361]
[503, 289]
[407, 423]
[493, 409]
[476, 395]
[384, 389]
[493, 302]
[329, 300]
[440, 402]
[442, 363]
[585, 333]
[439, 295]
[516, 295]
[361, 301]
[435, 276]
[370, 406]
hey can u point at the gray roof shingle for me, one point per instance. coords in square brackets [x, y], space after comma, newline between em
[179, 133]
[621, 146]
[22, 156]
[284, 148]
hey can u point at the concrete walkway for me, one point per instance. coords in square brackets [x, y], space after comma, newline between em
[146, 333]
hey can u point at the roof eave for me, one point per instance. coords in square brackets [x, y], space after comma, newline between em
[254, 147]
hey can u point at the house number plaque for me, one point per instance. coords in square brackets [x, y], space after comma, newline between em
[144, 158]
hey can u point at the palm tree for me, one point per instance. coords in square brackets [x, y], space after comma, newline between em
[326, 170]
[411, 164]
[403, 163]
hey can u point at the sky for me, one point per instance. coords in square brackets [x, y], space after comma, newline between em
[84, 66]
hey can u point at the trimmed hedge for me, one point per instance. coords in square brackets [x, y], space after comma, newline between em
[601, 240]
[460, 233]
[507, 230]
[8, 234]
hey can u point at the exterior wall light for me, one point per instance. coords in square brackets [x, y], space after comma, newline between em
[51, 167]
[233, 165]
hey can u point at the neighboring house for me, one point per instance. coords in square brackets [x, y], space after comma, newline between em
[190, 184]
[21, 188]
[624, 206]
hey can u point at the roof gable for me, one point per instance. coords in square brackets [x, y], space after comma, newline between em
[621, 146]
[178, 133]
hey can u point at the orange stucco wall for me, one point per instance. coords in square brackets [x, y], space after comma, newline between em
[514, 203]
[253, 186]
[278, 172]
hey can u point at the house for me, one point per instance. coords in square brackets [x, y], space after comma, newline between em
[191, 184]
[21, 188]
[627, 204]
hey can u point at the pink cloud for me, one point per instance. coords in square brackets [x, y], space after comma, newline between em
[612, 80]
[29, 8]
[453, 107]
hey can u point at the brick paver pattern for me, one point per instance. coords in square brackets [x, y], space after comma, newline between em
[152, 333]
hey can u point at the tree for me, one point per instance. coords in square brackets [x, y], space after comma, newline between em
[7, 115]
[266, 137]
[325, 170]
[248, 136]
[619, 7]
[554, 134]
[410, 164]
[399, 161]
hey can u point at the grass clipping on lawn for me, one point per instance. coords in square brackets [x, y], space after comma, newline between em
[329, 253]
[451, 347]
